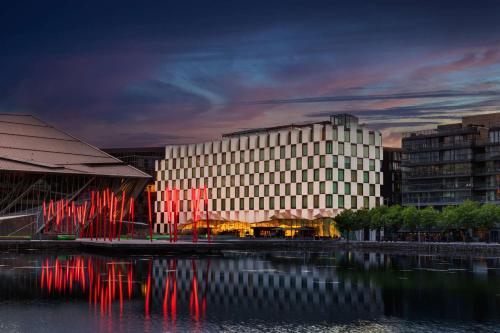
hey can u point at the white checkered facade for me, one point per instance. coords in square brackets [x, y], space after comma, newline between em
[307, 171]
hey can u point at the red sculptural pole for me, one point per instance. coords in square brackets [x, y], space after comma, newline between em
[121, 215]
[167, 212]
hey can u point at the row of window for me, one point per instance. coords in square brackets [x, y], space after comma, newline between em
[280, 203]
[244, 141]
[274, 190]
[245, 168]
[281, 178]
[264, 155]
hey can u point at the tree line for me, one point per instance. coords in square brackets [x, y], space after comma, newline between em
[457, 223]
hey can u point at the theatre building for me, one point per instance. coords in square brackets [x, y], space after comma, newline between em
[41, 164]
[288, 180]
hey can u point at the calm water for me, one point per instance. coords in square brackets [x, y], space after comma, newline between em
[248, 292]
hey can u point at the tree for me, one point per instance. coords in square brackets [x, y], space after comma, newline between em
[410, 217]
[377, 220]
[488, 215]
[345, 222]
[393, 219]
[428, 218]
[466, 214]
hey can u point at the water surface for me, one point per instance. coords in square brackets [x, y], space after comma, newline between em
[249, 292]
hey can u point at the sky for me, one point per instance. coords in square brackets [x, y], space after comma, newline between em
[149, 73]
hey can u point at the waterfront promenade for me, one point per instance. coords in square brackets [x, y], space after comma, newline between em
[142, 246]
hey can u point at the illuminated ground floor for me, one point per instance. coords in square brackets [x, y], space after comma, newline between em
[290, 228]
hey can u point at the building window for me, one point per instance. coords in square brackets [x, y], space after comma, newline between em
[377, 152]
[329, 201]
[341, 201]
[282, 202]
[271, 203]
[231, 204]
[347, 188]
[347, 162]
[310, 188]
[251, 203]
[347, 135]
[341, 174]
[304, 149]
[293, 176]
[271, 178]
[316, 148]
[377, 177]
[366, 178]
[271, 153]
[360, 189]
[329, 147]
[329, 174]
[266, 190]
[341, 148]
[261, 154]
[322, 187]
[335, 187]
[354, 150]
[288, 163]
[304, 176]
[366, 202]
[371, 138]
[282, 176]
[293, 202]
[277, 165]
[316, 201]
[354, 202]
[310, 162]
[360, 164]
[294, 150]
[298, 163]
[366, 151]
[276, 190]
[335, 159]
[298, 188]
[322, 161]
[287, 189]
[304, 201]
[334, 134]
[316, 175]
[372, 190]
[371, 164]
[359, 136]
[261, 203]
[266, 166]
[354, 176]
[282, 152]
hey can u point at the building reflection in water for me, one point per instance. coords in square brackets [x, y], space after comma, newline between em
[238, 287]
[186, 293]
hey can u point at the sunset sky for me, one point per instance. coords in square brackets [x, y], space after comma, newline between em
[139, 73]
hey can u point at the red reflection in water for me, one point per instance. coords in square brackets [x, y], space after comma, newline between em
[102, 282]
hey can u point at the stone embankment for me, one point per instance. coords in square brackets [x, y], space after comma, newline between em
[125, 247]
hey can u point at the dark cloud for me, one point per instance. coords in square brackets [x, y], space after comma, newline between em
[355, 98]
[120, 72]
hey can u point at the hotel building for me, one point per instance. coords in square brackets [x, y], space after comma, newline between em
[274, 177]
